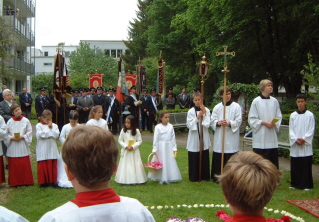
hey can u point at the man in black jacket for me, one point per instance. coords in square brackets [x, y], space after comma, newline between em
[26, 102]
[112, 111]
[144, 106]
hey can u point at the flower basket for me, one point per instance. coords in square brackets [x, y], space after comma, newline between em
[154, 166]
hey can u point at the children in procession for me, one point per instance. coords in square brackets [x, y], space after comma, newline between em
[164, 146]
[95, 118]
[47, 150]
[301, 132]
[130, 169]
[63, 181]
[18, 139]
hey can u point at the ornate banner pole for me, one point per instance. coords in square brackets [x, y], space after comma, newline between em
[225, 71]
[203, 75]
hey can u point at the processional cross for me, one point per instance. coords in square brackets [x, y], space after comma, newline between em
[225, 71]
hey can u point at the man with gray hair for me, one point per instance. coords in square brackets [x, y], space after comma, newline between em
[5, 104]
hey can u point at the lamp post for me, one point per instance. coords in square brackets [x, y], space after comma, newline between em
[203, 67]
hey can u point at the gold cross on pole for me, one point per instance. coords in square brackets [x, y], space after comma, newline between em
[225, 53]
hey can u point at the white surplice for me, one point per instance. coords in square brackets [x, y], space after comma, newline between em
[7, 215]
[130, 169]
[128, 210]
[264, 110]
[164, 144]
[193, 124]
[233, 115]
[46, 148]
[62, 177]
[18, 148]
[3, 128]
[301, 126]
[100, 123]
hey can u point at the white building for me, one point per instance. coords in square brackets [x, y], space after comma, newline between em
[44, 58]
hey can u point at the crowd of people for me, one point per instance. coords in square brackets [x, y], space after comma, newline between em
[92, 143]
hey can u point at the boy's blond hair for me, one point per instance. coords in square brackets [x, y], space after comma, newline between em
[263, 83]
[249, 181]
[46, 113]
[197, 94]
[94, 110]
[90, 153]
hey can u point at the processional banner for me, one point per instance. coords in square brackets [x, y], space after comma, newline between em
[95, 80]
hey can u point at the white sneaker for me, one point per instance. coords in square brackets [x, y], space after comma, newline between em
[292, 188]
[306, 189]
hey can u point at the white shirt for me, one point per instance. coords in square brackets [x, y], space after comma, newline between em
[100, 123]
[193, 124]
[233, 115]
[18, 148]
[164, 133]
[264, 110]
[128, 210]
[301, 126]
[65, 132]
[46, 141]
[7, 215]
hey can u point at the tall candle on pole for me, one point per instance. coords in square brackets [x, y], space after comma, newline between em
[225, 71]
[203, 75]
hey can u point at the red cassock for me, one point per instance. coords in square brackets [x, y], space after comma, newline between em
[2, 175]
[47, 171]
[20, 172]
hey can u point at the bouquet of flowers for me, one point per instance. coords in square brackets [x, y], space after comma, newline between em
[154, 166]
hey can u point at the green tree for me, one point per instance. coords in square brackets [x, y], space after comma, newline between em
[7, 45]
[40, 80]
[87, 61]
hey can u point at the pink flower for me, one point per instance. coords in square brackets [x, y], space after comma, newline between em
[286, 218]
[222, 215]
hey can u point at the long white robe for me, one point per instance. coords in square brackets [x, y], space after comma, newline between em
[301, 126]
[193, 134]
[128, 210]
[233, 115]
[18, 148]
[7, 215]
[3, 128]
[264, 110]
[100, 123]
[131, 169]
[62, 177]
[164, 144]
[46, 148]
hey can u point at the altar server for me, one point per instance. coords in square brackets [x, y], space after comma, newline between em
[232, 123]
[193, 146]
[265, 118]
[2, 135]
[95, 199]
[18, 139]
[301, 132]
[47, 150]
[7, 215]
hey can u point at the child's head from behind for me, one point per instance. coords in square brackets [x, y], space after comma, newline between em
[90, 154]
[96, 112]
[249, 181]
[164, 117]
[73, 117]
[46, 116]
[15, 110]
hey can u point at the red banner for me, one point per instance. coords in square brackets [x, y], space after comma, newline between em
[95, 80]
[130, 80]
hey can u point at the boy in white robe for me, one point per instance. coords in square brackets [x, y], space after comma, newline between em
[301, 132]
[265, 118]
[7, 215]
[194, 115]
[95, 200]
[232, 123]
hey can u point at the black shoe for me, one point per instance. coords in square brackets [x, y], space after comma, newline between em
[44, 185]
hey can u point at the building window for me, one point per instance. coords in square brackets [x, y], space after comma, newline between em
[107, 52]
[119, 52]
[46, 53]
[47, 64]
[113, 53]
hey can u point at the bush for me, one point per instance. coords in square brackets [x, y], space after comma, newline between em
[288, 106]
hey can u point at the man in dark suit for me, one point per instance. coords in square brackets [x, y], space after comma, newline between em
[133, 104]
[42, 102]
[154, 105]
[144, 106]
[112, 111]
[98, 99]
[184, 99]
[26, 102]
[84, 105]
[5, 104]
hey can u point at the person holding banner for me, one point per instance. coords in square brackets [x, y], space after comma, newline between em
[265, 118]
[154, 105]
[232, 123]
[112, 110]
[133, 104]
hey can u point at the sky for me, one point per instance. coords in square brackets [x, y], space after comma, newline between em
[70, 21]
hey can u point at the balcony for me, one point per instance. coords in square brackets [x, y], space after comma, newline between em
[21, 65]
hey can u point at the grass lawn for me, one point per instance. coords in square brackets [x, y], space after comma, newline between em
[32, 202]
